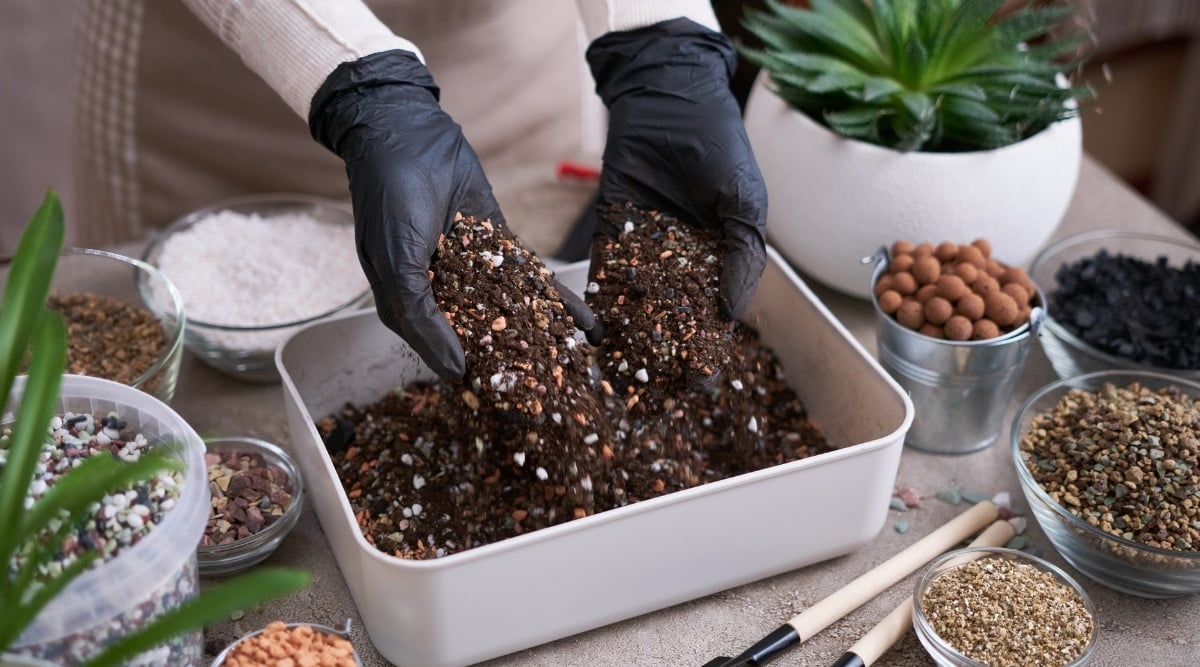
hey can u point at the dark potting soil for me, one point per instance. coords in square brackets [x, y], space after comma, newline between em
[534, 437]
[655, 287]
[1144, 311]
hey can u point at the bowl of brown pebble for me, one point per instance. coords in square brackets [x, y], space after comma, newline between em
[257, 497]
[954, 326]
[111, 334]
[294, 644]
[1121, 299]
[1109, 463]
[984, 606]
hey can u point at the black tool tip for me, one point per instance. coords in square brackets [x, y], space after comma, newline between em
[850, 660]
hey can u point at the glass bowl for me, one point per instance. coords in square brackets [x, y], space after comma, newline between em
[1067, 352]
[1112, 560]
[218, 560]
[343, 633]
[94, 287]
[254, 270]
[942, 651]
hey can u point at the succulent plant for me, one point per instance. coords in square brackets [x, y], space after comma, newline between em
[922, 75]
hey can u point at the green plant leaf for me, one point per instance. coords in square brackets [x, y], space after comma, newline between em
[962, 107]
[844, 40]
[242, 592]
[876, 87]
[905, 58]
[97, 476]
[963, 38]
[38, 403]
[965, 90]
[1031, 22]
[27, 287]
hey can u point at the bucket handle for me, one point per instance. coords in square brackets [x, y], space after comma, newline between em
[878, 257]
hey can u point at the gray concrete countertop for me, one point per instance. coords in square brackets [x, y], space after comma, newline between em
[1133, 631]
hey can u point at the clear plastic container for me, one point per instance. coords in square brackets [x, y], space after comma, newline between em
[154, 575]
[108, 274]
[225, 559]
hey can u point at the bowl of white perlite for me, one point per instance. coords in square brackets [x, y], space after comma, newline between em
[253, 270]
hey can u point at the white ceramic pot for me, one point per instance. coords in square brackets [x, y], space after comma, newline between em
[833, 201]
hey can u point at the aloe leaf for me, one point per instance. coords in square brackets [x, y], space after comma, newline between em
[38, 403]
[912, 133]
[1031, 22]
[985, 135]
[836, 81]
[919, 105]
[961, 107]
[875, 88]
[847, 43]
[965, 90]
[889, 33]
[964, 38]
[773, 32]
[236, 594]
[861, 124]
[816, 63]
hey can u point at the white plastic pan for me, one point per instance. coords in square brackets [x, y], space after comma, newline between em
[514, 594]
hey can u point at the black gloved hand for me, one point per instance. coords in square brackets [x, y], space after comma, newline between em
[676, 142]
[410, 170]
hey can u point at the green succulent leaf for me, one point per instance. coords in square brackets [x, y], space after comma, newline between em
[934, 75]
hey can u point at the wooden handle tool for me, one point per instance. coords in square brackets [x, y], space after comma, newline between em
[854, 594]
[891, 629]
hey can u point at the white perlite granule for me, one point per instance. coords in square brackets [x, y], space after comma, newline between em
[248, 270]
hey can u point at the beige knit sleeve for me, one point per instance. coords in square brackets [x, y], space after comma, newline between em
[295, 44]
[601, 16]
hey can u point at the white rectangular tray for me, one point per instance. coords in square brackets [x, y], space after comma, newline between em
[558, 581]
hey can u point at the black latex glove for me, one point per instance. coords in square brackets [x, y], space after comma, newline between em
[410, 170]
[676, 142]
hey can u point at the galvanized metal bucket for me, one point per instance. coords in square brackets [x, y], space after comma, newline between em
[961, 390]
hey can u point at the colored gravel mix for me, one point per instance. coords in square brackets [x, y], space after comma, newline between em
[1125, 460]
[116, 523]
[248, 494]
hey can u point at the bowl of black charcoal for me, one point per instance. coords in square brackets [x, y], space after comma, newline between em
[1120, 300]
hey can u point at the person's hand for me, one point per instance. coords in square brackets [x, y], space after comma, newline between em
[411, 171]
[676, 142]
